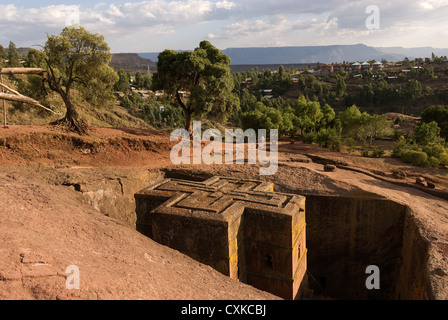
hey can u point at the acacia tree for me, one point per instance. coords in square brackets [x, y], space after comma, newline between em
[77, 59]
[13, 55]
[205, 74]
[374, 126]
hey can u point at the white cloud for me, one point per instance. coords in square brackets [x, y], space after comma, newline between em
[254, 22]
[225, 5]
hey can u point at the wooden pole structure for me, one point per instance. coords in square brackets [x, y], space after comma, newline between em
[4, 105]
[21, 71]
[24, 99]
[16, 96]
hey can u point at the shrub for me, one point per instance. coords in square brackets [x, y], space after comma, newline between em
[399, 120]
[350, 143]
[396, 135]
[401, 145]
[377, 153]
[309, 137]
[444, 159]
[434, 150]
[126, 103]
[426, 133]
[396, 153]
[329, 138]
[434, 162]
[335, 144]
[365, 152]
[416, 158]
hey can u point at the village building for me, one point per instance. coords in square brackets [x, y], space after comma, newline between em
[356, 67]
[378, 66]
[365, 66]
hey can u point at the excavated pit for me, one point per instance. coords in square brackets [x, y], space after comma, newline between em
[344, 236]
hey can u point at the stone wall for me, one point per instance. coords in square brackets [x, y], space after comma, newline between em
[347, 234]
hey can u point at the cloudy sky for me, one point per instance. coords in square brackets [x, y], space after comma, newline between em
[155, 25]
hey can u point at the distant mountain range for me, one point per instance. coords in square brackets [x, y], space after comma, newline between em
[322, 54]
[132, 62]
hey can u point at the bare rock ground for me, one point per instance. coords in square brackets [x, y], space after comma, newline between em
[44, 229]
[50, 217]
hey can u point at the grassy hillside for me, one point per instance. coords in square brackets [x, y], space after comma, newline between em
[111, 115]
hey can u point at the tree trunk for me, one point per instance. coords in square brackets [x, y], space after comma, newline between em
[188, 123]
[187, 112]
[71, 120]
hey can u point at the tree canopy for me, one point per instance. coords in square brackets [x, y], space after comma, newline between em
[13, 56]
[426, 133]
[78, 59]
[438, 114]
[204, 74]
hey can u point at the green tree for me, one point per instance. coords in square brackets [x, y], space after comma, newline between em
[138, 79]
[136, 99]
[247, 100]
[35, 59]
[438, 114]
[3, 56]
[340, 86]
[123, 83]
[329, 114]
[373, 127]
[329, 138]
[413, 90]
[350, 119]
[263, 117]
[13, 56]
[281, 72]
[426, 133]
[205, 74]
[126, 103]
[78, 59]
[302, 83]
[309, 113]
[290, 123]
[146, 81]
